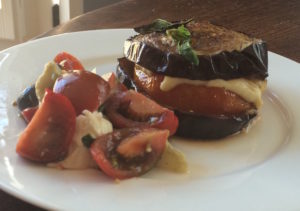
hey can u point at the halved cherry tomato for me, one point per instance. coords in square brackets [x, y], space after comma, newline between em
[129, 152]
[84, 89]
[211, 101]
[28, 113]
[132, 109]
[49, 134]
[68, 61]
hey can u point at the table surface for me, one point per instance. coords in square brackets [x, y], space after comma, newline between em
[275, 21]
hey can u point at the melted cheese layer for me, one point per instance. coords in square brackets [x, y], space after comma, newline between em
[250, 90]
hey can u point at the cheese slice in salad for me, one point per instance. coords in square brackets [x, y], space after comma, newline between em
[79, 157]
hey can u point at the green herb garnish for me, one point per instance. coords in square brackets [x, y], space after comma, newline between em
[186, 50]
[183, 36]
[179, 34]
[87, 140]
[160, 25]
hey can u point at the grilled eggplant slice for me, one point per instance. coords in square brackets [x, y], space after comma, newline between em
[205, 127]
[192, 125]
[222, 53]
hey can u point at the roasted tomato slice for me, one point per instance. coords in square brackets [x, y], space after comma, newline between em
[209, 101]
[50, 132]
[129, 152]
[68, 61]
[28, 113]
[132, 109]
[84, 89]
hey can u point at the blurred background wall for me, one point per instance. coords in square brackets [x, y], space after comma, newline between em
[22, 20]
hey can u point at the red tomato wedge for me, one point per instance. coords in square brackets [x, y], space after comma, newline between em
[50, 132]
[84, 89]
[132, 109]
[28, 113]
[129, 152]
[68, 61]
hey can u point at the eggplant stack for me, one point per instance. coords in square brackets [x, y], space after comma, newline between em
[212, 77]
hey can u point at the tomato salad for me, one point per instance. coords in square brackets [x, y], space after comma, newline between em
[71, 110]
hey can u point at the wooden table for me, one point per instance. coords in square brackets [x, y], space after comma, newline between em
[275, 21]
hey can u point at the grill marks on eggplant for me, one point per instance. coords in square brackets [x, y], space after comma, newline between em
[209, 39]
[222, 53]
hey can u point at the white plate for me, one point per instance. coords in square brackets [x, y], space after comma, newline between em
[255, 171]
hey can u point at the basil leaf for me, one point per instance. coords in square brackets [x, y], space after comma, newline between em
[186, 50]
[180, 34]
[160, 25]
[87, 140]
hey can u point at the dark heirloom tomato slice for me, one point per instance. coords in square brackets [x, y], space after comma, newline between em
[202, 100]
[49, 134]
[132, 109]
[129, 152]
[68, 61]
[84, 89]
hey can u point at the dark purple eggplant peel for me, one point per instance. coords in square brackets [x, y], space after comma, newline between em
[222, 53]
[27, 98]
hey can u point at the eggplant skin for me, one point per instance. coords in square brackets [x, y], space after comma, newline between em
[191, 125]
[251, 62]
[124, 73]
[27, 98]
[203, 127]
